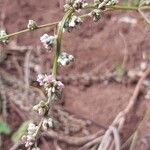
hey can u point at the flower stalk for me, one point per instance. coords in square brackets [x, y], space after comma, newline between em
[59, 39]
[89, 6]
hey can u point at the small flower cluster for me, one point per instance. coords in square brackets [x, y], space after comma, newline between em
[3, 39]
[71, 23]
[32, 25]
[74, 21]
[40, 108]
[50, 84]
[65, 59]
[108, 3]
[96, 14]
[49, 42]
[112, 2]
[31, 135]
[47, 123]
[76, 4]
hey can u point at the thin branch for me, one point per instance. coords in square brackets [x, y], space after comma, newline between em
[71, 140]
[109, 8]
[91, 143]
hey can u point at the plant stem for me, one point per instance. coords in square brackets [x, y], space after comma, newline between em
[59, 39]
[92, 6]
[28, 30]
[119, 7]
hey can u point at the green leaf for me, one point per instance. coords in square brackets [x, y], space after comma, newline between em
[22, 130]
[4, 128]
[120, 71]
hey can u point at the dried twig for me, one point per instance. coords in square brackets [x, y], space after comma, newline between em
[77, 141]
[135, 136]
[120, 119]
[105, 142]
[26, 69]
[91, 143]
[125, 58]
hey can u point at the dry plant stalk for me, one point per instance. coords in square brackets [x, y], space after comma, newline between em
[108, 142]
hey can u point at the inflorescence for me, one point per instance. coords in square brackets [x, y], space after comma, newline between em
[51, 85]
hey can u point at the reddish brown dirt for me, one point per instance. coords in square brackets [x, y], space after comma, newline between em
[93, 44]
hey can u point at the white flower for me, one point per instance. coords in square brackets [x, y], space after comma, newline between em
[112, 2]
[47, 123]
[31, 128]
[96, 14]
[30, 137]
[49, 42]
[74, 21]
[40, 79]
[65, 59]
[3, 39]
[32, 25]
[79, 4]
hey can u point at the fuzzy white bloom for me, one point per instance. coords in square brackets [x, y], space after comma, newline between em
[30, 137]
[74, 21]
[65, 59]
[31, 128]
[2, 35]
[32, 25]
[112, 2]
[49, 42]
[79, 4]
[47, 123]
[40, 108]
[95, 14]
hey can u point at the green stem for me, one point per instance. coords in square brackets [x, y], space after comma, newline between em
[117, 7]
[92, 6]
[28, 30]
[59, 38]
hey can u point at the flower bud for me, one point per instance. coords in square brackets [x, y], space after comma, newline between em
[49, 42]
[32, 25]
[47, 123]
[3, 39]
[96, 14]
[65, 59]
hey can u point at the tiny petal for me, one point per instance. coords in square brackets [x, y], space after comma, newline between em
[40, 79]
[48, 79]
[60, 85]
